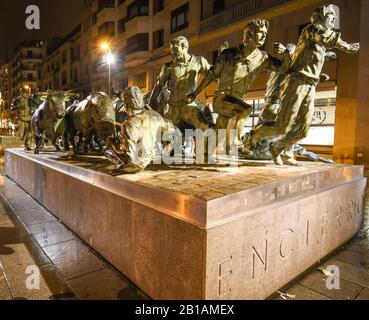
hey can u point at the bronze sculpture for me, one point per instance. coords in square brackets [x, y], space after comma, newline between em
[24, 106]
[44, 119]
[236, 69]
[269, 113]
[180, 78]
[285, 119]
[297, 103]
[92, 119]
[139, 134]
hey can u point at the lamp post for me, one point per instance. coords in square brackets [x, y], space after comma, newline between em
[109, 58]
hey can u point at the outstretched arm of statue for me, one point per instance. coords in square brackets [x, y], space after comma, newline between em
[347, 47]
[281, 60]
[202, 86]
[212, 74]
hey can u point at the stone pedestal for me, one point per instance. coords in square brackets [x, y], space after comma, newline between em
[200, 232]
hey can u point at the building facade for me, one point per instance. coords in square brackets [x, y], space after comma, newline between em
[25, 67]
[61, 66]
[5, 96]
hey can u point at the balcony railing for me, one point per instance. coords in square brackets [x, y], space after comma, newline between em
[241, 11]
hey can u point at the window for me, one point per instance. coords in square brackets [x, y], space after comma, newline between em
[64, 57]
[158, 6]
[139, 42]
[30, 77]
[158, 38]
[75, 75]
[29, 54]
[106, 4]
[64, 78]
[76, 52]
[122, 25]
[180, 18]
[94, 18]
[138, 8]
[218, 6]
[139, 81]
[107, 29]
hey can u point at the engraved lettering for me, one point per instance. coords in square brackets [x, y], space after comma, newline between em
[350, 211]
[224, 276]
[285, 253]
[307, 232]
[324, 223]
[257, 256]
[338, 218]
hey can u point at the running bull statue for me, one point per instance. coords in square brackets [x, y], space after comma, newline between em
[92, 119]
[47, 115]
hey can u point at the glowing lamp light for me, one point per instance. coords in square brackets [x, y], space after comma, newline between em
[105, 46]
[110, 59]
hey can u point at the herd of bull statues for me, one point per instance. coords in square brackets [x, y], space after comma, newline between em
[127, 127]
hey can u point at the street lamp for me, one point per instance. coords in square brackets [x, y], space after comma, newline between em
[109, 59]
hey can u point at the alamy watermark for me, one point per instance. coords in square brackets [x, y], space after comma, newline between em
[33, 21]
[33, 279]
[333, 280]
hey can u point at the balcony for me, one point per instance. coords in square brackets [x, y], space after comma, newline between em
[138, 24]
[106, 15]
[245, 9]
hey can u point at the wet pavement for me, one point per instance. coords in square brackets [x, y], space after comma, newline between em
[32, 240]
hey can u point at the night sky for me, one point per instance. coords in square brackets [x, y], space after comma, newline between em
[58, 18]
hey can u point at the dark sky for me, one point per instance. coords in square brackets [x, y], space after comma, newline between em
[58, 17]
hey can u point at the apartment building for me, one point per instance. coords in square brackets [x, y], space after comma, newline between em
[61, 67]
[5, 98]
[25, 66]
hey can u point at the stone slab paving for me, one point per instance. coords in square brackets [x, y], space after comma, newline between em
[69, 269]
[31, 236]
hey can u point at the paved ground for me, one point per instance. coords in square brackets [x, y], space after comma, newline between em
[31, 236]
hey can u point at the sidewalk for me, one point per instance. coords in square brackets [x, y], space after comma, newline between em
[32, 236]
